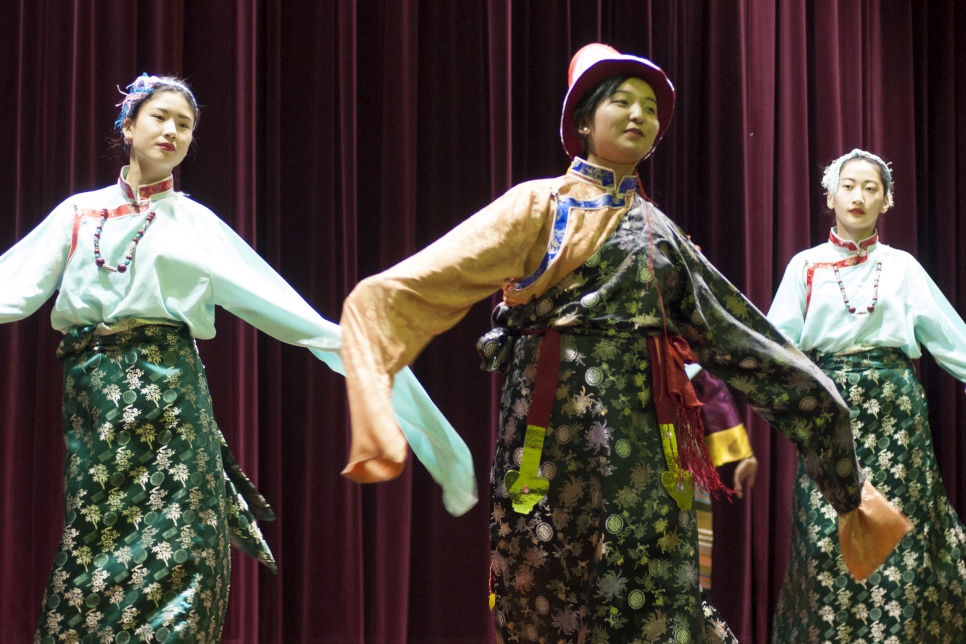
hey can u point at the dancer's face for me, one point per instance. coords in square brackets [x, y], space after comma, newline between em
[160, 135]
[859, 200]
[624, 127]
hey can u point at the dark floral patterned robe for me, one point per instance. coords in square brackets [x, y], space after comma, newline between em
[608, 556]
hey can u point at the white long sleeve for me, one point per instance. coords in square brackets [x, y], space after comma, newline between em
[910, 310]
[187, 262]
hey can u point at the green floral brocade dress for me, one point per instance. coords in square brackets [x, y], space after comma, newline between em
[152, 499]
[152, 495]
[919, 593]
[607, 555]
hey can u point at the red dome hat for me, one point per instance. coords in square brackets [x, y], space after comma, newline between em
[594, 62]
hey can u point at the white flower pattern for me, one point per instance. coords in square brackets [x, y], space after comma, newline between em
[920, 588]
[127, 531]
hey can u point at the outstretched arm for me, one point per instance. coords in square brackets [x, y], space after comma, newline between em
[389, 318]
[32, 269]
[244, 284]
[734, 341]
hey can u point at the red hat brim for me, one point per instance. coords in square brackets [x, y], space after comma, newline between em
[617, 65]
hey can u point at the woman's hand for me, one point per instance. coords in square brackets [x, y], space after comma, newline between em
[745, 473]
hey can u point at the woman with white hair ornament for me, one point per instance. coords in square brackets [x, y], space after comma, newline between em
[153, 496]
[863, 310]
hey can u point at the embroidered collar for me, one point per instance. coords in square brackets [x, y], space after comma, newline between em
[603, 177]
[864, 247]
[157, 190]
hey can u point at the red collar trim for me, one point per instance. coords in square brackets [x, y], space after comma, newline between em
[862, 248]
[144, 192]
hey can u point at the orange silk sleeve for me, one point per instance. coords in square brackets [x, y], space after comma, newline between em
[389, 318]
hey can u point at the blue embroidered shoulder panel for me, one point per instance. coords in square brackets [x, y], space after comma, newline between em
[561, 217]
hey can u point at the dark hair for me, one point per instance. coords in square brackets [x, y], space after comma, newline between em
[589, 103]
[142, 90]
[830, 177]
[145, 87]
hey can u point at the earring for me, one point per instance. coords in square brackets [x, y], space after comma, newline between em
[127, 141]
[585, 130]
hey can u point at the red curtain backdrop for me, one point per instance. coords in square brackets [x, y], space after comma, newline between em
[338, 137]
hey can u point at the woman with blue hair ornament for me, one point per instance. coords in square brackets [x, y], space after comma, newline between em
[153, 496]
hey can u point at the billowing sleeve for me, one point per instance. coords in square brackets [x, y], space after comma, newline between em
[390, 317]
[247, 286]
[31, 271]
[787, 310]
[937, 325]
[736, 343]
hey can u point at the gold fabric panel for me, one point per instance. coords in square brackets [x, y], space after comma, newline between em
[729, 445]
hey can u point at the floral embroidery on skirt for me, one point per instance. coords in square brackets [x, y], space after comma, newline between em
[917, 595]
[149, 509]
[607, 555]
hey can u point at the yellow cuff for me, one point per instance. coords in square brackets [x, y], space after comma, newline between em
[729, 445]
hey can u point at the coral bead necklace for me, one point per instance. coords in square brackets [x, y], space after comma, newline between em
[875, 290]
[129, 256]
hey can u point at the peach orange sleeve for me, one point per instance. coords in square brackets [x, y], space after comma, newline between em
[869, 533]
[389, 318]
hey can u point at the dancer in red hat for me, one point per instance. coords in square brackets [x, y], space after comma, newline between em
[593, 533]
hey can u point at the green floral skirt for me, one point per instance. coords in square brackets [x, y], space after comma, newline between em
[917, 595]
[152, 496]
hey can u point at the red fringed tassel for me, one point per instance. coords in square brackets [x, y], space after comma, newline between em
[677, 402]
[693, 452]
